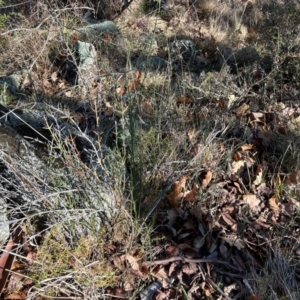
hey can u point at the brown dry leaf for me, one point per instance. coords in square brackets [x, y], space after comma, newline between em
[237, 185]
[121, 91]
[191, 135]
[119, 262]
[146, 108]
[206, 179]
[236, 156]
[228, 220]
[177, 191]
[17, 266]
[235, 241]
[292, 179]
[46, 83]
[172, 270]
[273, 205]
[190, 268]
[281, 130]
[238, 167]
[133, 84]
[26, 81]
[257, 117]
[183, 100]
[201, 116]
[258, 175]
[15, 283]
[128, 286]
[191, 195]
[134, 261]
[251, 200]
[171, 251]
[30, 256]
[242, 110]
[62, 85]
[68, 94]
[247, 147]
[54, 77]
[231, 100]
[162, 275]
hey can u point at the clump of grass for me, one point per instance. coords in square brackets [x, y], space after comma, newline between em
[59, 267]
[278, 279]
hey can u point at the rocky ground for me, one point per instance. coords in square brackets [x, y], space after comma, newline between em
[150, 150]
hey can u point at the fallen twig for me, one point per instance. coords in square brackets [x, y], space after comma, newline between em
[189, 260]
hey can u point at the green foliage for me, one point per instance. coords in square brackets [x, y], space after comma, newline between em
[3, 20]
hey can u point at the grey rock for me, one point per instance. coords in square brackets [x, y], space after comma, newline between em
[10, 86]
[147, 293]
[95, 30]
[78, 196]
[81, 67]
[87, 70]
[151, 63]
[183, 50]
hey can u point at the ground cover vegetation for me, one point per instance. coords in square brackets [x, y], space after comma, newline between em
[196, 111]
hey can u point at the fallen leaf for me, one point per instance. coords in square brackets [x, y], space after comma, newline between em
[171, 251]
[258, 175]
[46, 83]
[251, 200]
[257, 117]
[62, 85]
[234, 241]
[135, 261]
[242, 110]
[236, 156]
[68, 94]
[54, 77]
[247, 147]
[201, 116]
[206, 179]
[162, 275]
[227, 219]
[238, 167]
[191, 195]
[190, 268]
[191, 135]
[231, 100]
[183, 100]
[133, 84]
[273, 205]
[177, 191]
[292, 179]
[121, 91]
[281, 130]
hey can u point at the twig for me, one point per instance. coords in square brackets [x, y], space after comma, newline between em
[189, 260]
